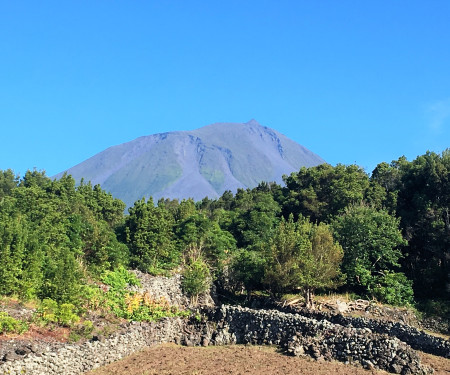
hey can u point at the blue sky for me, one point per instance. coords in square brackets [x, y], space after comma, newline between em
[354, 81]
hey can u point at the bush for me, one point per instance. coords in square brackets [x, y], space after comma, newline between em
[439, 308]
[50, 312]
[119, 279]
[134, 306]
[66, 315]
[81, 330]
[196, 279]
[117, 282]
[394, 288]
[143, 307]
[10, 325]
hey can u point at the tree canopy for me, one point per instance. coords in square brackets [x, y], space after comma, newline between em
[383, 236]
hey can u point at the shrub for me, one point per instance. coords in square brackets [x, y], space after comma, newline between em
[196, 279]
[66, 315]
[394, 288]
[10, 325]
[50, 312]
[134, 306]
[117, 282]
[143, 307]
[119, 279]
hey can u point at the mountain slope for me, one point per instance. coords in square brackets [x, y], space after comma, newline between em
[198, 163]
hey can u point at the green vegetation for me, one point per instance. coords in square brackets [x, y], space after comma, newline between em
[196, 279]
[371, 240]
[52, 312]
[384, 237]
[133, 305]
[302, 256]
[10, 325]
[215, 177]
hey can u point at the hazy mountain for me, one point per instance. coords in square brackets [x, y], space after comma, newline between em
[198, 163]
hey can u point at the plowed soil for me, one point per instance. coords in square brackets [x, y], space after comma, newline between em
[169, 359]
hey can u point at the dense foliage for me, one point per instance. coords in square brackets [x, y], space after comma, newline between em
[302, 256]
[54, 234]
[384, 236]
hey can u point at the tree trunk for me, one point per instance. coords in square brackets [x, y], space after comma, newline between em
[309, 298]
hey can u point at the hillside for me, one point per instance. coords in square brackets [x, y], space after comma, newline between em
[198, 163]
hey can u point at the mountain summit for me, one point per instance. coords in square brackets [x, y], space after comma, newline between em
[196, 164]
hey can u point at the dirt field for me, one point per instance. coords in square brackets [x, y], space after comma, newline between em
[170, 359]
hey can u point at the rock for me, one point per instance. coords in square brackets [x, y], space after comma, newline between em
[396, 368]
[299, 350]
[23, 350]
[99, 338]
[11, 356]
[341, 306]
[368, 365]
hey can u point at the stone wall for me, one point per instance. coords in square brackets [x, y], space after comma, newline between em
[296, 334]
[73, 359]
[170, 289]
[323, 340]
[414, 337]
[160, 286]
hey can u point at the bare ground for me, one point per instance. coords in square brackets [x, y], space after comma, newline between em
[170, 359]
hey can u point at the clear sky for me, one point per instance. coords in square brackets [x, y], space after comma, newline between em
[354, 81]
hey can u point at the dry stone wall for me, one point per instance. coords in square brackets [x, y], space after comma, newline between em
[170, 289]
[414, 337]
[73, 359]
[297, 334]
[300, 335]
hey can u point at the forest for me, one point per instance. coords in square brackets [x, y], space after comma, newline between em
[384, 236]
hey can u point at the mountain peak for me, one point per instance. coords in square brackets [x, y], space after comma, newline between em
[253, 122]
[198, 163]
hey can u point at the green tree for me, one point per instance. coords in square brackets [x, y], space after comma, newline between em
[282, 271]
[247, 270]
[423, 205]
[255, 217]
[319, 264]
[8, 181]
[303, 256]
[35, 178]
[324, 191]
[371, 240]
[12, 248]
[53, 234]
[206, 237]
[149, 235]
[102, 204]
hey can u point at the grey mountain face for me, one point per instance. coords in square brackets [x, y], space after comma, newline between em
[195, 164]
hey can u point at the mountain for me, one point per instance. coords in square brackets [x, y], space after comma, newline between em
[198, 163]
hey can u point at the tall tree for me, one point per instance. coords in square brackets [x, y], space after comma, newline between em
[324, 191]
[319, 264]
[8, 181]
[424, 208]
[303, 256]
[371, 240]
[149, 233]
[282, 271]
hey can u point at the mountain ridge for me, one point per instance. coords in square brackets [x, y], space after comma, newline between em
[194, 164]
